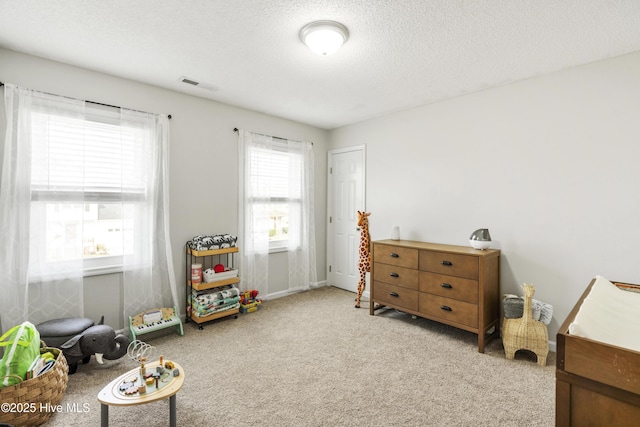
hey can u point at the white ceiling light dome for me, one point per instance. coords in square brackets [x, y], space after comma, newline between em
[324, 37]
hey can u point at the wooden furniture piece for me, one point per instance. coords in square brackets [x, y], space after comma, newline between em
[207, 259]
[455, 285]
[525, 333]
[597, 384]
[111, 395]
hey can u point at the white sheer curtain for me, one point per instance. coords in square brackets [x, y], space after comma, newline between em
[275, 176]
[253, 218]
[58, 187]
[24, 295]
[302, 235]
[148, 274]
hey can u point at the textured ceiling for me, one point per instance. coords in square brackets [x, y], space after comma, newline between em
[400, 54]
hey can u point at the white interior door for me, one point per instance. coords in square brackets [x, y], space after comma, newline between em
[346, 195]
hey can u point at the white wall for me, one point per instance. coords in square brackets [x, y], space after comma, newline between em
[550, 165]
[203, 160]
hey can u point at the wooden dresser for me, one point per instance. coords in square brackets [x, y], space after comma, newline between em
[455, 285]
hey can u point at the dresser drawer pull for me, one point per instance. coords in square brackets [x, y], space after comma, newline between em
[449, 263]
[393, 255]
[445, 308]
[394, 275]
[446, 285]
[394, 294]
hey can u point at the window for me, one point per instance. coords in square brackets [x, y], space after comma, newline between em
[276, 209]
[87, 175]
[84, 191]
[275, 189]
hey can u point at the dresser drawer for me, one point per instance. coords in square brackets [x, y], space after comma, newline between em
[449, 286]
[393, 255]
[400, 276]
[449, 264]
[395, 295]
[448, 309]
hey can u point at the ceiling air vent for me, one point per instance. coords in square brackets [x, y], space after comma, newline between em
[189, 81]
[192, 82]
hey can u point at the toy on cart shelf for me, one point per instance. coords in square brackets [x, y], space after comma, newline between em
[249, 301]
[219, 272]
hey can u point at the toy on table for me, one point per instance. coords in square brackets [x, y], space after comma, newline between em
[147, 381]
[249, 301]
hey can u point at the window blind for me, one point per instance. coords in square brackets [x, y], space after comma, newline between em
[274, 174]
[85, 156]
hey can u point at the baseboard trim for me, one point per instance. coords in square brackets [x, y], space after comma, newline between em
[288, 292]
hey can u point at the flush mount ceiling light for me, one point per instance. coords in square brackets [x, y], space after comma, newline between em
[324, 37]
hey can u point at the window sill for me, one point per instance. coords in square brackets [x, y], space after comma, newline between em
[278, 250]
[88, 272]
[91, 267]
[100, 271]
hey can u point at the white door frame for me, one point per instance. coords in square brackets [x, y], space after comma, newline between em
[331, 261]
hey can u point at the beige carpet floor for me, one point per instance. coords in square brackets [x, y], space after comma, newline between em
[312, 359]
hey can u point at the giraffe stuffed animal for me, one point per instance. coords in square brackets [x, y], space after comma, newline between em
[364, 265]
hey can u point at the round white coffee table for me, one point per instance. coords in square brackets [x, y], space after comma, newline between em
[111, 395]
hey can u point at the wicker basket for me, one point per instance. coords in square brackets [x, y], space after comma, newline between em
[31, 394]
[525, 333]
